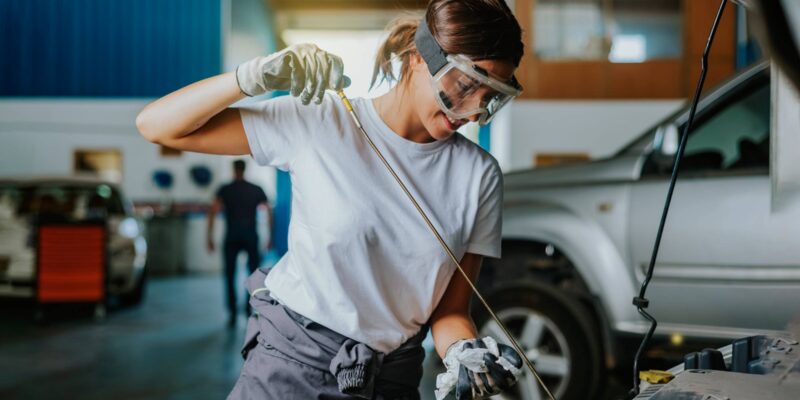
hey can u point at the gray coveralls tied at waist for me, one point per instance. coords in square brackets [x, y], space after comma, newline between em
[297, 358]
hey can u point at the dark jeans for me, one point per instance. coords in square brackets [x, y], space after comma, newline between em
[235, 242]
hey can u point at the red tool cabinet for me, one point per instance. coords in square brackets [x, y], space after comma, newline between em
[71, 263]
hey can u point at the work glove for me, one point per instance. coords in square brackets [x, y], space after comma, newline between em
[303, 69]
[477, 369]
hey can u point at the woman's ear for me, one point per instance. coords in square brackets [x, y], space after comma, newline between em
[416, 61]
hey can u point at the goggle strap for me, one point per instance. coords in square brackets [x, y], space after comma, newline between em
[429, 49]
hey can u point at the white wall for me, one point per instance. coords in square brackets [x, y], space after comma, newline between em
[38, 138]
[598, 128]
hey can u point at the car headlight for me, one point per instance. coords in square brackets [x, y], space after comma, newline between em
[128, 228]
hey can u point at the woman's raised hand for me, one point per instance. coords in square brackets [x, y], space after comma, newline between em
[304, 70]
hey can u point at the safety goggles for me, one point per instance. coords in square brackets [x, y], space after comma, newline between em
[464, 89]
[461, 87]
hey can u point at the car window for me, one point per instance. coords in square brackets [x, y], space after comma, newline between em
[732, 137]
[737, 136]
[114, 205]
[74, 202]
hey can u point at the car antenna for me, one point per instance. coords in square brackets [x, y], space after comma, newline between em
[641, 302]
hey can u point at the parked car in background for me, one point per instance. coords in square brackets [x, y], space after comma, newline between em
[577, 240]
[26, 202]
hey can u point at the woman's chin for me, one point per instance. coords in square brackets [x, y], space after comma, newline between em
[444, 135]
[440, 132]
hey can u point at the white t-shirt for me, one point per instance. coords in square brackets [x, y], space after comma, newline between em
[361, 261]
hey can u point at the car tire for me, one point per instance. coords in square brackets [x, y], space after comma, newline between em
[557, 334]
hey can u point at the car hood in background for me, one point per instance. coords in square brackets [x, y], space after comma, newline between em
[623, 168]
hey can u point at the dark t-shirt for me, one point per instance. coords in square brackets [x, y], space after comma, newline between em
[240, 199]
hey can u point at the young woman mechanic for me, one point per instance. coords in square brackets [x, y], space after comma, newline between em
[343, 314]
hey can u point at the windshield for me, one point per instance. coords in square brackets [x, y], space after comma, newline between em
[70, 201]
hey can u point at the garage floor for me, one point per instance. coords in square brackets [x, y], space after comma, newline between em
[174, 346]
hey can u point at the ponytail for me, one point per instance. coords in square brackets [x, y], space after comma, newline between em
[398, 45]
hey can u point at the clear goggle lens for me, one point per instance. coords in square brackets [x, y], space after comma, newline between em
[463, 90]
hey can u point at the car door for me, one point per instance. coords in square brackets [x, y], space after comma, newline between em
[727, 259]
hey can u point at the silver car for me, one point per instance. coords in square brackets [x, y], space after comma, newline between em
[578, 238]
[22, 202]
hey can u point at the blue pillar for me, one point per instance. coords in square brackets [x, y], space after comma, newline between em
[485, 137]
[283, 207]
[747, 49]
[281, 213]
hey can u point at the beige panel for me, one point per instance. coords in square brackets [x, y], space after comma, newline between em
[651, 79]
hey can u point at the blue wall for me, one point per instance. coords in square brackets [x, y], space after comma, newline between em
[97, 48]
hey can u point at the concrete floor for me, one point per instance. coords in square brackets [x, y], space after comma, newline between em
[176, 345]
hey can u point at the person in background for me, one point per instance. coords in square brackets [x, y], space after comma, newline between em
[240, 199]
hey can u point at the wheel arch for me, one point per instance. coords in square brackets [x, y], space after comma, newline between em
[597, 263]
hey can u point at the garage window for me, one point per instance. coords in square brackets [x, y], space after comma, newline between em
[613, 30]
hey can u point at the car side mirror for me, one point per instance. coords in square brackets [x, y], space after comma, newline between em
[666, 140]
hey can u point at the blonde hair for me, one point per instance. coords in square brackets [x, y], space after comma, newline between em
[399, 45]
